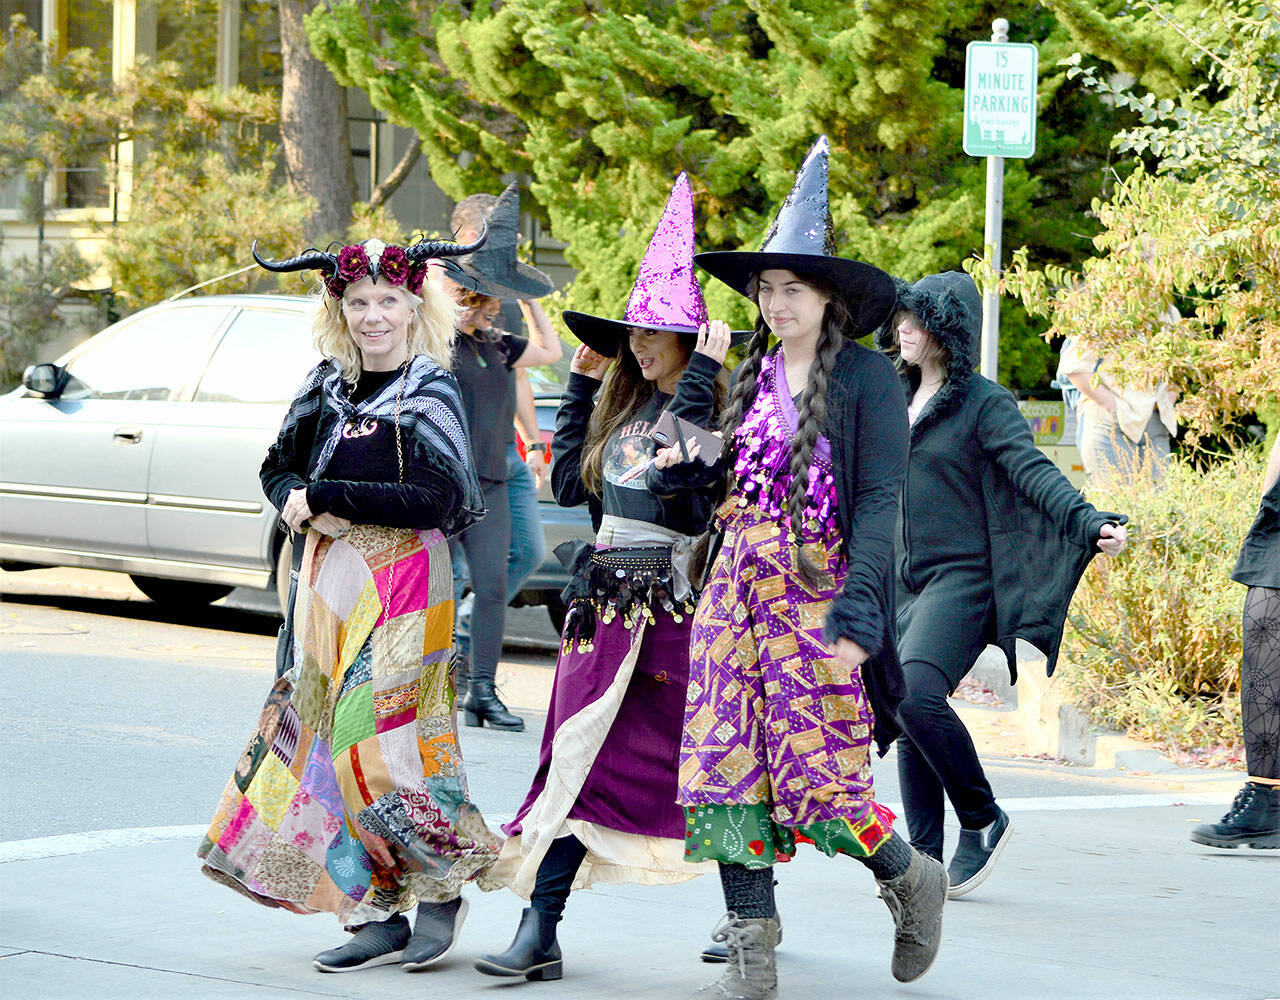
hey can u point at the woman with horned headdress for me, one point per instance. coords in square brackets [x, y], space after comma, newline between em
[351, 797]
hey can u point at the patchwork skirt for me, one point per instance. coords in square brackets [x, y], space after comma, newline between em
[357, 744]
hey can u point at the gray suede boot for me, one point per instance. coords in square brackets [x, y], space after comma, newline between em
[751, 972]
[915, 899]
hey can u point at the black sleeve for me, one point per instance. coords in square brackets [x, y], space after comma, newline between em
[695, 401]
[421, 504]
[1006, 439]
[284, 468]
[571, 433]
[875, 422]
[513, 348]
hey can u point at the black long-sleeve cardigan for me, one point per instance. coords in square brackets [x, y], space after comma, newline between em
[867, 427]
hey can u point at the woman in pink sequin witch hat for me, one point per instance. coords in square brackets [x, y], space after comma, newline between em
[602, 805]
[794, 672]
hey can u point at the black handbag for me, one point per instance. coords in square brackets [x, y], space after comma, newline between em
[284, 637]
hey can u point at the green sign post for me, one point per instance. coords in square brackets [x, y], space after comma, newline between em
[1000, 99]
[999, 122]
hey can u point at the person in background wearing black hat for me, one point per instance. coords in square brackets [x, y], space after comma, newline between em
[991, 542]
[601, 807]
[525, 472]
[484, 364]
[794, 673]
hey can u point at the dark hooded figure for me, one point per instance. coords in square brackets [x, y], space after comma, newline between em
[992, 540]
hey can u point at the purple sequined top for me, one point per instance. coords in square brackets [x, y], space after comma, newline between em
[763, 443]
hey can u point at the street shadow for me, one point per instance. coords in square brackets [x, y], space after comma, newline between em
[201, 616]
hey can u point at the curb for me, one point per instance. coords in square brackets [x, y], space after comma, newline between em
[1048, 725]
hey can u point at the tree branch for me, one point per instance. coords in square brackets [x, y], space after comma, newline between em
[391, 183]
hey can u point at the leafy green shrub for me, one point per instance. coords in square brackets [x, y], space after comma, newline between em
[1153, 637]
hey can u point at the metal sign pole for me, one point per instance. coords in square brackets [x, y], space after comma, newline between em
[992, 241]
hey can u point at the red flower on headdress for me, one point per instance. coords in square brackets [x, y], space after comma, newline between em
[417, 275]
[335, 286]
[353, 263]
[393, 265]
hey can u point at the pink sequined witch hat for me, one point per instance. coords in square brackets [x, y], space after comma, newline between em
[666, 295]
[802, 240]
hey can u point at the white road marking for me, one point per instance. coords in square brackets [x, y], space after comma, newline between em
[39, 848]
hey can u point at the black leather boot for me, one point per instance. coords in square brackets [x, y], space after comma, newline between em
[483, 705]
[460, 670]
[1253, 820]
[534, 953]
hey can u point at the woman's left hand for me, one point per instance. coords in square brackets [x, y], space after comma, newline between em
[664, 458]
[1111, 539]
[849, 654]
[713, 340]
[296, 512]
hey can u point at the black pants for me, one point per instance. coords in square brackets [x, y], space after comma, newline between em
[1260, 682]
[937, 755]
[486, 544]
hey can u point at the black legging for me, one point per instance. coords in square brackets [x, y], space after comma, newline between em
[1260, 682]
[486, 543]
[936, 754]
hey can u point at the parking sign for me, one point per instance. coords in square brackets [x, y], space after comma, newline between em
[1000, 99]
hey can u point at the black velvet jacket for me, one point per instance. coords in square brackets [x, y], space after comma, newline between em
[867, 427]
[439, 488]
[1040, 533]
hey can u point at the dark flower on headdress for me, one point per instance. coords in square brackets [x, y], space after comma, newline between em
[353, 263]
[393, 265]
[417, 275]
[335, 286]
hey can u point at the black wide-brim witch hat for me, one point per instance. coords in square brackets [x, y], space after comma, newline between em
[666, 295]
[494, 269]
[801, 240]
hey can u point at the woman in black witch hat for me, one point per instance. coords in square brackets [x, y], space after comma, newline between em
[794, 673]
[484, 364]
[351, 797]
[991, 543]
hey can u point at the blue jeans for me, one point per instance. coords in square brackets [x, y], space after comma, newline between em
[527, 550]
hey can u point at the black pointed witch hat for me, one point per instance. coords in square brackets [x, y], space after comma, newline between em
[801, 239]
[494, 268]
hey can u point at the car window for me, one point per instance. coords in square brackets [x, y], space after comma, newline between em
[146, 359]
[262, 359]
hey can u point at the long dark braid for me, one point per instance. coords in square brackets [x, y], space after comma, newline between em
[812, 420]
[744, 390]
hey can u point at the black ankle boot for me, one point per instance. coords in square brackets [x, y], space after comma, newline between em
[534, 953]
[1254, 819]
[483, 705]
[460, 670]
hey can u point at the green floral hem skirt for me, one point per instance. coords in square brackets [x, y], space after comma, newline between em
[748, 835]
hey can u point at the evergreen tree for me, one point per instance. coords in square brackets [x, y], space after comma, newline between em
[599, 105]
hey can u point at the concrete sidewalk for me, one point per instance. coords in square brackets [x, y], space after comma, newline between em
[1085, 904]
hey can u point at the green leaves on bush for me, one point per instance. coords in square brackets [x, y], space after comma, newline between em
[1153, 637]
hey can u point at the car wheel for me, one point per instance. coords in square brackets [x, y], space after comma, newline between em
[556, 611]
[284, 563]
[172, 593]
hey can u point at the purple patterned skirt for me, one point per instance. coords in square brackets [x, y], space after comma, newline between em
[771, 717]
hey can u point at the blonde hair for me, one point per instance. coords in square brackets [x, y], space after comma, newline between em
[431, 329]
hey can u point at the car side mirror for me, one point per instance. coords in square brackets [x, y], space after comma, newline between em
[46, 380]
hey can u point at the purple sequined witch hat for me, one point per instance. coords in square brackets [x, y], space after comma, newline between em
[666, 295]
[802, 240]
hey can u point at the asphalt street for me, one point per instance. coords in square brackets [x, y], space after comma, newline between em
[122, 723]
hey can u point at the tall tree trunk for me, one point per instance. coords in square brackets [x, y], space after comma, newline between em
[313, 127]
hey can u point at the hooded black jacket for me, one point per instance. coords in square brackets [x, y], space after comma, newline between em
[1032, 532]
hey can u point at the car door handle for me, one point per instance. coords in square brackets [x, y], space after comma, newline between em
[127, 435]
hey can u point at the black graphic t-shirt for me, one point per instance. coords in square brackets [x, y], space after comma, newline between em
[626, 460]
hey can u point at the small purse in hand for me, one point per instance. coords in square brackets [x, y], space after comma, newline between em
[671, 429]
